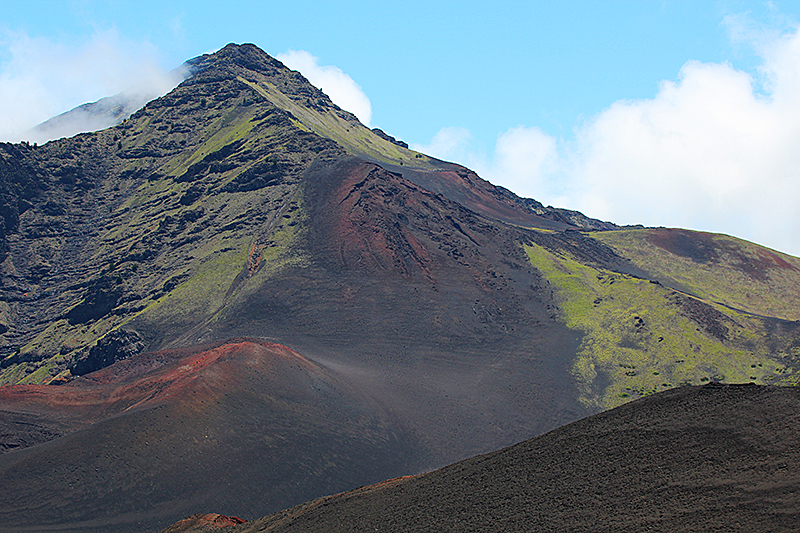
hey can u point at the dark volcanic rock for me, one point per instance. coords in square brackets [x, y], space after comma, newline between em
[116, 346]
[383, 135]
[101, 297]
[701, 459]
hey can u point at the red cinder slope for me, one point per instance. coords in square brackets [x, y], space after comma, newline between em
[205, 523]
[244, 427]
[142, 382]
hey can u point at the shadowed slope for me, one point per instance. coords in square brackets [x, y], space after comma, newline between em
[702, 459]
[245, 427]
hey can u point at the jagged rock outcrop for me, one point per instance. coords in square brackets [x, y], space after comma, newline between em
[116, 346]
[385, 136]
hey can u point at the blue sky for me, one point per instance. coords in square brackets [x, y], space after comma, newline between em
[660, 113]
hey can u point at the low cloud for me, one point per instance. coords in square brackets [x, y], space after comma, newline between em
[452, 144]
[524, 158]
[716, 150]
[41, 78]
[340, 87]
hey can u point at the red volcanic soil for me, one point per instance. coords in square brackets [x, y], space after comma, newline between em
[367, 211]
[467, 188]
[244, 428]
[204, 523]
[138, 383]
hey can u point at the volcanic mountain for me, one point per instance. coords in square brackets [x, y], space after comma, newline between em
[244, 213]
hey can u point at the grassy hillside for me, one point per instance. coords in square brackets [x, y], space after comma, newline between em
[641, 337]
[715, 267]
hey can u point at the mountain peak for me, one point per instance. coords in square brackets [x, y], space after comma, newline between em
[250, 64]
[247, 56]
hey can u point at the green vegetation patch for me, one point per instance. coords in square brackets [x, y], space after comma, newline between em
[234, 126]
[354, 137]
[56, 343]
[205, 289]
[229, 269]
[715, 267]
[641, 337]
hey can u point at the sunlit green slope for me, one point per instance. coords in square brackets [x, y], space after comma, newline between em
[723, 315]
[715, 267]
[162, 218]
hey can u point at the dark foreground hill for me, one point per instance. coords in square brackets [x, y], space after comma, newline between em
[703, 459]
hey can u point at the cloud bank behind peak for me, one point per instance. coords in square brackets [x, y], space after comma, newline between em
[331, 80]
[715, 149]
[41, 78]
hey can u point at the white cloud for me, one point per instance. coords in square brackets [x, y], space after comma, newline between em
[524, 157]
[41, 78]
[450, 144]
[718, 149]
[708, 152]
[340, 87]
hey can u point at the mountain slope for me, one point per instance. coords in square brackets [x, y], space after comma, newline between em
[106, 112]
[663, 319]
[246, 427]
[210, 214]
[712, 458]
[715, 267]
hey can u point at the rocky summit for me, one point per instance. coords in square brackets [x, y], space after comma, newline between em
[240, 298]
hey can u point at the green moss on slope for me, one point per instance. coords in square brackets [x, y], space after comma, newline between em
[641, 337]
[228, 267]
[354, 137]
[190, 197]
[203, 293]
[715, 267]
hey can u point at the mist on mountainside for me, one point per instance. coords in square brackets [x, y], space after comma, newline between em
[42, 78]
[105, 112]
